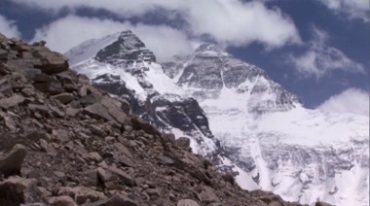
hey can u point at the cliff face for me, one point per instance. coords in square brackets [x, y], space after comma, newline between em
[64, 142]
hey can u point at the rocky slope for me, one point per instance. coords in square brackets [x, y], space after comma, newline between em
[64, 142]
[242, 120]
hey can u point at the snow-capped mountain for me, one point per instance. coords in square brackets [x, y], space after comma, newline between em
[236, 115]
[124, 67]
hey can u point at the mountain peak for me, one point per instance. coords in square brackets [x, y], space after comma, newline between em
[121, 48]
[127, 48]
[209, 47]
[211, 50]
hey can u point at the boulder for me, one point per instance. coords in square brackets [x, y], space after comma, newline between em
[52, 87]
[183, 142]
[116, 200]
[16, 191]
[124, 177]
[12, 101]
[5, 86]
[52, 62]
[12, 160]
[64, 97]
[208, 195]
[114, 109]
[81, 194]
[98, 110]
[84, 194]
[30, 73]
[62, 201]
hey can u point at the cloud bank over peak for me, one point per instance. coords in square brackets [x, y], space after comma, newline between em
[60, 37]
[352, 100]
[227, 22]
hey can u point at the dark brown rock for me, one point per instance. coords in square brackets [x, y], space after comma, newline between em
[126, 179]
[183, 142]
[52, 87]
[11, 161]
[5, 86]
[52, 62]
[30, 73]
[3, 54]
[17, 190]
[139, 124]
[319, 203]
[103, 175]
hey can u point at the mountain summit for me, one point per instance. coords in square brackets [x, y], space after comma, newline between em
[237, 116]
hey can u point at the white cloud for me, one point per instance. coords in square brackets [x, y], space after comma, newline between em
[352, 8]
[8, 28]
[349, 101]
[67, 32]
[230, 22]
[236, 23]
[321, 59]
[121, 7]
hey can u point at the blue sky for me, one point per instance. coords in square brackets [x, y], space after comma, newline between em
[317, 49]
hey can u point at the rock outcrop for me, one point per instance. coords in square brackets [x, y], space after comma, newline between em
[63, 142]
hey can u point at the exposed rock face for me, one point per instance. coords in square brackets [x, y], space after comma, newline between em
[92, 151]
[164, 111]
[211, 69]
[123, 51]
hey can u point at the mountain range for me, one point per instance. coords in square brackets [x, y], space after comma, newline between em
[238, 117]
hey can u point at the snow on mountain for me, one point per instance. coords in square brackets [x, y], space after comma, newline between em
[234, 113]
[123, 66]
